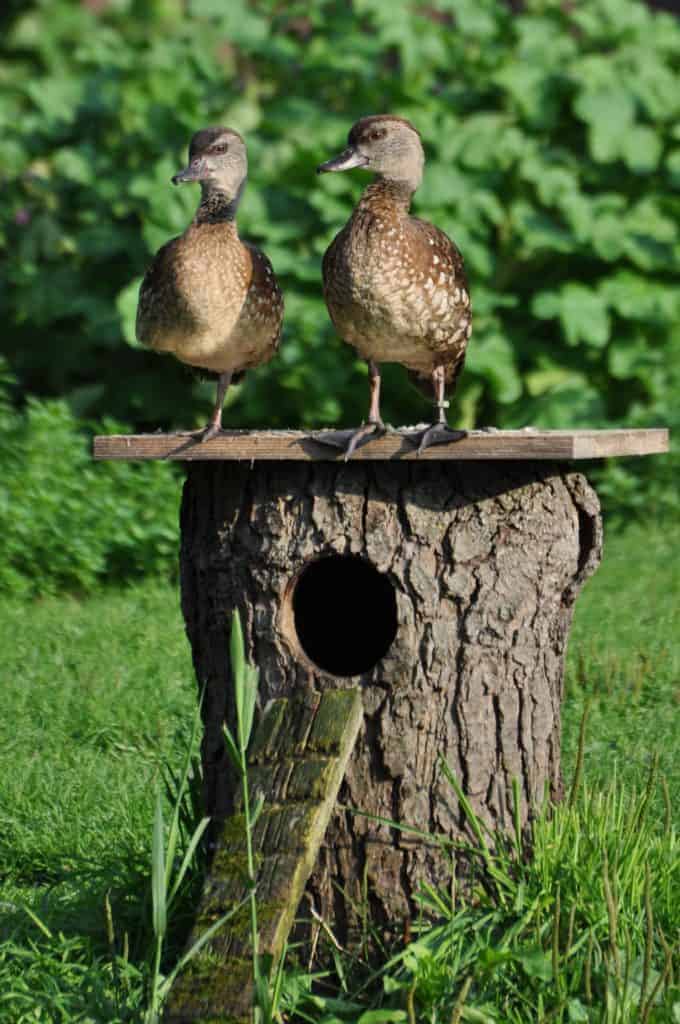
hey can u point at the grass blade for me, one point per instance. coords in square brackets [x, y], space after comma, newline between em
[250, 700]
[466, 807]
[578, 770]
[36, 920]
[517, 815]
[238, 668]
[649, 938]
[232, 749]
[158, 879]
[187, 859]
[181, 784]
[460, 1001]
[256, 810]
[278, 981]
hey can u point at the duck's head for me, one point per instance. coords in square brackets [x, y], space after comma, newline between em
[217, 158]
[385, 144]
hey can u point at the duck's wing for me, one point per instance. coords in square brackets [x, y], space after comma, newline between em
[447, 315]
[158, 307]
[335, 277]
[263, 306]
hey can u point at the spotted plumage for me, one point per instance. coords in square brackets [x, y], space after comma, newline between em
[395, 285]
[208, 298]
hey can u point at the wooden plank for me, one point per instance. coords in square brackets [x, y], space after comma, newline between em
[297, 761]
[297, 445]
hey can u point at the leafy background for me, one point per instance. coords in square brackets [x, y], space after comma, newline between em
[553, 159]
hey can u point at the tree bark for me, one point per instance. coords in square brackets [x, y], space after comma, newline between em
[485, 560]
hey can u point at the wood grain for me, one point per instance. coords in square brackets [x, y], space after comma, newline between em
[246, 445]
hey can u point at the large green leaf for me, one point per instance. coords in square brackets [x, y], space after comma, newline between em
[609, 114]
[581, 310]
[642, 148]
[536, 963]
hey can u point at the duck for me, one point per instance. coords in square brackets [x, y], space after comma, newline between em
[394, 285]
[208, 298]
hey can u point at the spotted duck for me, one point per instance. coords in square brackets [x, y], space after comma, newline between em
[394, 285]
[209, 298]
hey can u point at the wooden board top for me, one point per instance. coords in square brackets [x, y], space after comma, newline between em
[298, 445]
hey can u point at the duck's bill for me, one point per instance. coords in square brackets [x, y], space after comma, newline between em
[194, 172]
[348, 159]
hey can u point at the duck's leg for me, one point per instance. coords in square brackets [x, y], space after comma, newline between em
[374, 427]
[215, 423]
[440, 432]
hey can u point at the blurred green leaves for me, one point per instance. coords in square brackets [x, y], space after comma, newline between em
[68, 523]
[609, 113]
[553, 161]
[582, 312]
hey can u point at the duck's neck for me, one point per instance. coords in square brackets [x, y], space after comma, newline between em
[387, 193]
[216, 206]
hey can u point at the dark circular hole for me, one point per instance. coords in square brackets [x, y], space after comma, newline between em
[345, 614]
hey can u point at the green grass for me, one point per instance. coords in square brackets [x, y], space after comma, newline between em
[624, 658]
[582, 930]
[96, 697]
[98, 694]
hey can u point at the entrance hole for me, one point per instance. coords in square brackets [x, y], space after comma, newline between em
[345, 614]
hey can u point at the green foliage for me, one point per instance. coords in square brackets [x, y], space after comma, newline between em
[98, 699]
[553, 160]
[60, 979]
[66, 522]
[623, 660]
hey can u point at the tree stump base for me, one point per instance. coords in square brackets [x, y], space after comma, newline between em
[444, 590]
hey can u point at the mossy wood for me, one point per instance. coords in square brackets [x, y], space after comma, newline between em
[445, 591]
[397, 444]
[296, 763]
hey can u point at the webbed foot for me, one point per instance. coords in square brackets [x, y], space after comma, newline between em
[348, 441]
[207, 433]
[438, 433]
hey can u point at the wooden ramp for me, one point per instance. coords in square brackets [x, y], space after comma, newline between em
[396, 444]
[297, 761]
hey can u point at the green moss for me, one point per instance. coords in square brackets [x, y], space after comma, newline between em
[309, 780]
[210, 985]
[264, 740]
[331, 721]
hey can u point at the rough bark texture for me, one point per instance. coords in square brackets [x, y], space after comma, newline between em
[486, 561]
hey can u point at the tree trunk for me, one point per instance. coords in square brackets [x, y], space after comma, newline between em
[449, 598]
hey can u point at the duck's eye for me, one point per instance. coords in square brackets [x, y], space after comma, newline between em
[378, 134]
[221, 148]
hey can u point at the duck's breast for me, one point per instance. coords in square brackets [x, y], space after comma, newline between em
[211, 300]
[396, 290]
